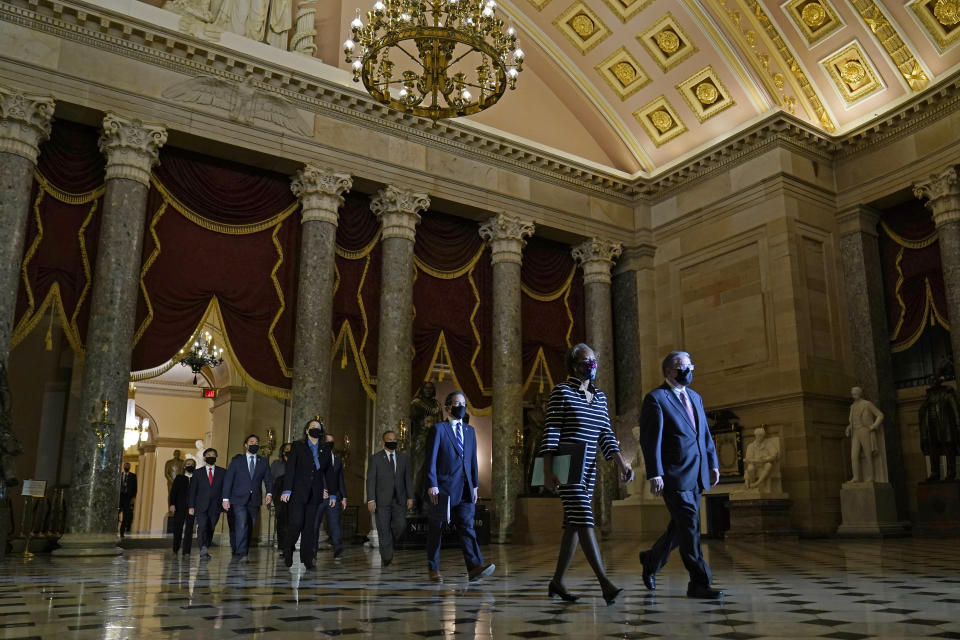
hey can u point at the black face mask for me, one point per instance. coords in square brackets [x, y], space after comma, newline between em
[253, 448]
[189, 469]
[284, 454]
[684, 377]
[324, 445]
[210, 459]
[390, 445]
[314, 432]
[458, 411]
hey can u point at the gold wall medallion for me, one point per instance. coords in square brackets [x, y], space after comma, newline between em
[852, 73]
[814, 19]
[626, 9]
[667, 42]
[940, 20]
[623, 73]
[582, 27]
[705, 94]
[660, 120]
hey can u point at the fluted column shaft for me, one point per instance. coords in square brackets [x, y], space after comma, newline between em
[506, 235]
[399, 211]
[320, 192]
[943, 193]
[132, 148]
[869, 333]
[596, 258]
[24, 124]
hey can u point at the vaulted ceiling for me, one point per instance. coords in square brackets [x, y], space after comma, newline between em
[638, 85]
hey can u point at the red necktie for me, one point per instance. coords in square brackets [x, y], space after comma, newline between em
[686, 405]
[210, 475]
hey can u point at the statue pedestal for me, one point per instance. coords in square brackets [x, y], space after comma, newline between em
[754, 513]
[4, 532]
[639, 519]
[869, 509]
[536, 520]
[938, 505]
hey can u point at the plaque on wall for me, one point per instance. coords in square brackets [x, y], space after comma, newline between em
[34, 488]
[727, 439]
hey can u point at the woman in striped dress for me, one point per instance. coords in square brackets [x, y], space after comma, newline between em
[578, 413]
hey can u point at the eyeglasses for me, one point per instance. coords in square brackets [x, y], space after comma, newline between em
[590, 361]
[677, 367]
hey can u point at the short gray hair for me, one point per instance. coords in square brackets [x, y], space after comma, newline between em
[668, 361]
[573, 355]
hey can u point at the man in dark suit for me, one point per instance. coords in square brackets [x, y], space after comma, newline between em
[389, 494]
[241, 491]
[128, 493]
[334, 498]
[681, 464]
[304, 481]
[179, 505]
[453, 485]
[206, 490]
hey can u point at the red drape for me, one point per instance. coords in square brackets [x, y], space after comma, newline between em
[913, 275]
[63, 225]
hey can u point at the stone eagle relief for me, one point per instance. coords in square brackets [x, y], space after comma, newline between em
[242, 101]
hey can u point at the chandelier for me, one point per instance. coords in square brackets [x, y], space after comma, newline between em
[203, 353]
[434, 58]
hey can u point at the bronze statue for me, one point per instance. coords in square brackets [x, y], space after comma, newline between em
[10, 447]
[425, 411]
[940, 428]
[173, 468]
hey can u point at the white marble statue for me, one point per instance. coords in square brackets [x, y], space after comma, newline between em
[867, 446]
[762, 463]
[279, 24]
[198, 455]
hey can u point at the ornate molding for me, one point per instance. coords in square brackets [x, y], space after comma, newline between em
[399, 210]
[320, 192]
[24, 122]
[942, 191]
[887, 37]
[636, 258]
[596, 257]
[507, 235]
[132, 147]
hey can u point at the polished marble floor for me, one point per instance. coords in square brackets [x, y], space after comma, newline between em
[906, 588]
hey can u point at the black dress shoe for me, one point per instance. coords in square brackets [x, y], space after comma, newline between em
[386, 563]
[703, 592]
[555, 589]
[649, 577]
[611, 596]
[288, 559]
[310, 566]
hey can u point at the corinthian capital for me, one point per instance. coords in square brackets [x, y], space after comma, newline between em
[596, 256]
[24, 122]
[399, 210]
[320, 192]
[506, 235]
[132, 147]
[942, 191]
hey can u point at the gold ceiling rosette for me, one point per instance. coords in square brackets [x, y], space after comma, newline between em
[434, 58]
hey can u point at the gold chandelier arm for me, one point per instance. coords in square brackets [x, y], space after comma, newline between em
[410, 55]
[453, 62]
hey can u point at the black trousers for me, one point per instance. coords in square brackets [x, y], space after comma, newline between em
[303, 525]
[462, 516]
[391, 522]
[206, 523]
[683, 532]
[281, 512]
[126, 515]
[183, 531]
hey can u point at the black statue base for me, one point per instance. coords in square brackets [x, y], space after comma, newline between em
[418, 527]
[938, 509]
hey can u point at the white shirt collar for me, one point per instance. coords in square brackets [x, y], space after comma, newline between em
[674, 386]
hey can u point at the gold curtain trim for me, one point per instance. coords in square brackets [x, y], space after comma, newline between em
[346, 334]
[156, 371]
[922, 243]
[64, 196]
[283, 304]
[220, 227]
[362, 359]
[566, 306]
[553, 295]
[442, 344]
[452, 274]
[931, 313]
[52, 299]
[360, 253]
[539, 359]
[146, 267]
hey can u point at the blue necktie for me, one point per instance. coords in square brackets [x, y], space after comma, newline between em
[252, 463]
[459, 439]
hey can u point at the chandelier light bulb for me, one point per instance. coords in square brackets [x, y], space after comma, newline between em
[378, 7]
[466, 95]
[348, 45]
[512, 72]
[357, 65]
[518, 55]
[487, 12]
[511, 31]
[357, 23]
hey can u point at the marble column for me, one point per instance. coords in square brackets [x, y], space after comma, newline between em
[869, 333]
[596, 258]
[942, 192]
[24, 124]
[320, 196]
[399, 211]
[132, 149]
[506, 235]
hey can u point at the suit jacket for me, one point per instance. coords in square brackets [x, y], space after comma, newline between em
[680, 452]
[446, 469]
[239, 488]
[302, 477]
[179, 493]
[383, 484]
[130, 490]
[203, 497]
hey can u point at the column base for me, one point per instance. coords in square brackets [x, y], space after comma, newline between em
[87, 545]
[635, 519]
[869, 510]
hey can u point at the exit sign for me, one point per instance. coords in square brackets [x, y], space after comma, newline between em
[209, 393]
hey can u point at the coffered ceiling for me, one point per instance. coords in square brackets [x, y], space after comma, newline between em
[637, 85]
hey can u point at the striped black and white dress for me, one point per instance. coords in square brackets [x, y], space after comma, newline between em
[570, 418]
